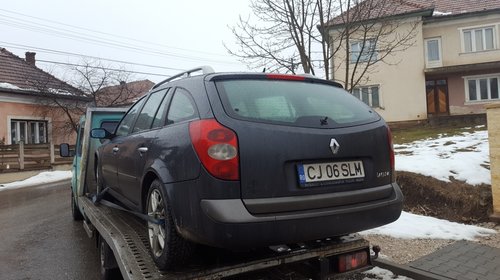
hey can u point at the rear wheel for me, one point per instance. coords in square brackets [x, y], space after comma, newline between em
[108, 266]
[75, 211]
[167, 247]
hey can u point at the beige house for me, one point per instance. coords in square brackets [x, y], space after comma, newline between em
[449, 64]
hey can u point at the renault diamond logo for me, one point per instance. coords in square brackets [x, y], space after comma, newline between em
[334, 146]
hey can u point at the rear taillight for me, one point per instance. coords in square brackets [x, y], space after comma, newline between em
[352, 261]
[391, 153]
[217, 148]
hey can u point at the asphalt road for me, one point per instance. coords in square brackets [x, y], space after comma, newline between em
[39, 239]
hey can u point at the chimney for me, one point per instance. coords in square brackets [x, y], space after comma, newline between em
[30, 58]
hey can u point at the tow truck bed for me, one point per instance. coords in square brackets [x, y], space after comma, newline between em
[126, 236]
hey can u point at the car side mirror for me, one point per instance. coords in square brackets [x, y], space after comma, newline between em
[65, 151]
[100, 133]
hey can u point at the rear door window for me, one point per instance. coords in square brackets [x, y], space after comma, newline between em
[149, 111]
[293, 103]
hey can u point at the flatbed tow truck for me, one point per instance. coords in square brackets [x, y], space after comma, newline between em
[123, 243]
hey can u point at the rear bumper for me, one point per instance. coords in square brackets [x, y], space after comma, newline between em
[227, 223]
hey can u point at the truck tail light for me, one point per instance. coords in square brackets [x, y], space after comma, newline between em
[352, 261]
[216, 147]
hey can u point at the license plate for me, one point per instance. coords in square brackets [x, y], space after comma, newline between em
[316, 173]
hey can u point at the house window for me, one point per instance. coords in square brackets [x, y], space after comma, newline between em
[478, 39]
[433, 52]
[369, 95]
[28, 131]
[364, 51]
[482, 88]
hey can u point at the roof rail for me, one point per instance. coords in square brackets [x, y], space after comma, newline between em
[204, 69]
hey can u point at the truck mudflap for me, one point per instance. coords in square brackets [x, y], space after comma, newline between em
[127, 237]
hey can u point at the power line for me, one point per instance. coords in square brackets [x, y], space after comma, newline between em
[58, 52]
[115, 44]
[109, 34]
[104, 68]
[78, 36]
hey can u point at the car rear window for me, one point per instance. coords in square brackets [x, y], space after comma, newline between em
[294, 103]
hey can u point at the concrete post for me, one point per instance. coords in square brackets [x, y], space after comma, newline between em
[21, 155]
[52, 153]
[493, 119]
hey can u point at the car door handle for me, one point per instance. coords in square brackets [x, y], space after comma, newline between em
[116, 149]
[142, 149]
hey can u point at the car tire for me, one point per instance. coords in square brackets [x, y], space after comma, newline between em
[107, 262]
[98, 179]
[75, 211]
[167, 247]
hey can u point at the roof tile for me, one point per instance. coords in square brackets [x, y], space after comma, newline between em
[372, 9]
[16, 71]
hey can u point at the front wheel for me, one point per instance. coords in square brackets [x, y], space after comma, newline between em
[75, 211]
[98, 179]
[167, 247]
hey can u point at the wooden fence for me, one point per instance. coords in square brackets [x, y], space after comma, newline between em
[21, 157]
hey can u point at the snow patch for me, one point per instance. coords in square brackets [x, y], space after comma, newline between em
[42, 178]
[411, 226]
[464, 157]
[382, 274]
[438, 13]
[59, 91]
[8, 86]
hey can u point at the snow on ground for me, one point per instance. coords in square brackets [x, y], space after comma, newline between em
[382, 274]
[464, 157]
[42, 178]
[411, 226]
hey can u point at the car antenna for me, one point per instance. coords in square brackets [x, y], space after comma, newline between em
[264, 70]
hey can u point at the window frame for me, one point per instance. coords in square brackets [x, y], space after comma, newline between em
[370, 95]
[368, 54]
[477, 79]
[472, 30]
[28, 131]
[436, 63]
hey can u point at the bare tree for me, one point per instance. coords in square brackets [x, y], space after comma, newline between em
[105, 86]
[285, 34]
[93, 84]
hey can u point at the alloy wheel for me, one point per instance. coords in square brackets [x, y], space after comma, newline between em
[156, 210]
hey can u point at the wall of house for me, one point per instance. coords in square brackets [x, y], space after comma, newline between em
[11, 110]
[456, 94]
[451, 39]
[401, 79]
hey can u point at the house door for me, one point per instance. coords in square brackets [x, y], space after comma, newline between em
[437, 97]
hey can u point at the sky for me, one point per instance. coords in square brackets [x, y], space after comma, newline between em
[174, 35]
